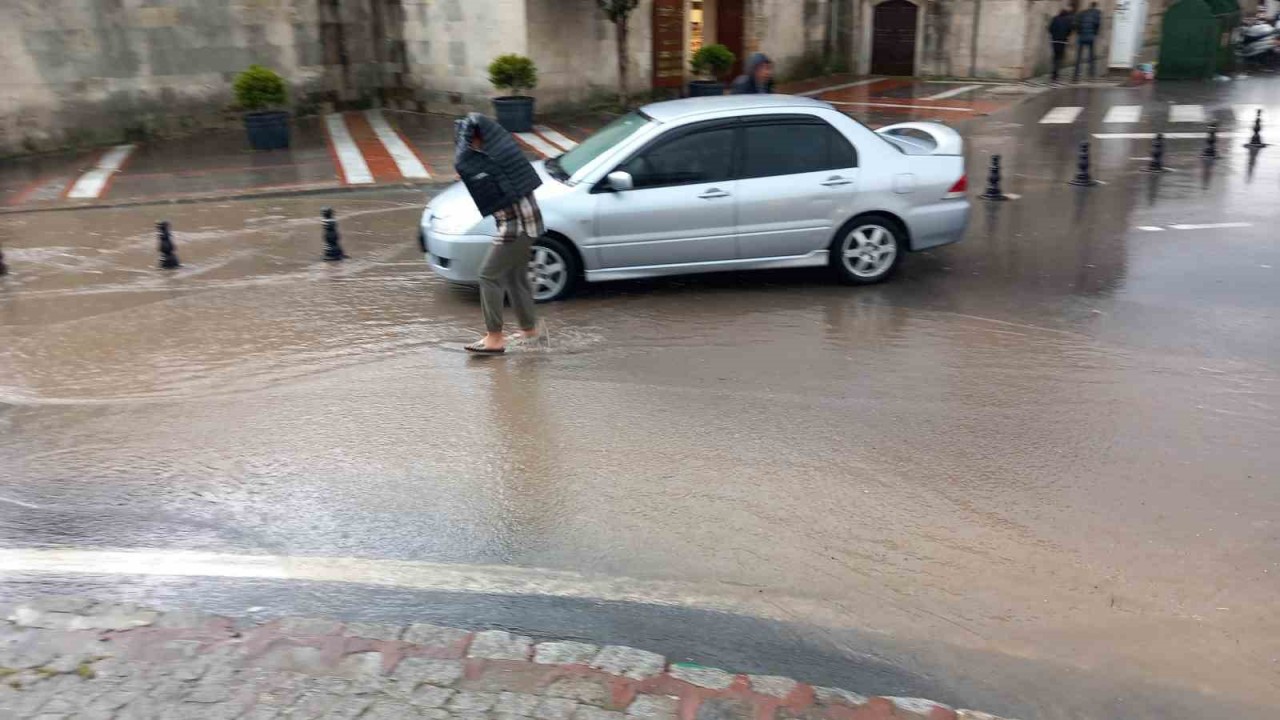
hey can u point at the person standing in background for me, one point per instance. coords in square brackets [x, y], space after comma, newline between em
[1087, 28]
[756, 77]
[1060, 28]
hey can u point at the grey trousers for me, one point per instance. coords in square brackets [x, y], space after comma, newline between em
[505, 273]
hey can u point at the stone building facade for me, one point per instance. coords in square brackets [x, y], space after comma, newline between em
[81, 72]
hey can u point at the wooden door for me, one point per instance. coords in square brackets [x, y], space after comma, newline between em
[893, 38]
[668, 43]
[730, 31]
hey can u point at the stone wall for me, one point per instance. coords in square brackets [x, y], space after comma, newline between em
[93, 71]
[791, 32]
[575, 47]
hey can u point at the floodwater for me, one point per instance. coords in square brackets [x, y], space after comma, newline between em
[1054, 442]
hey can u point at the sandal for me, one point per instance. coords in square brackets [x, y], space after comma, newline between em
[479, 349]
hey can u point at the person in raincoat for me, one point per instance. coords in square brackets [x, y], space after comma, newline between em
[501, 182]
[756, 77]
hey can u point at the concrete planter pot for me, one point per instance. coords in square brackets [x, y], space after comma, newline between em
[514, 112]
[705, 88]
[267, 130]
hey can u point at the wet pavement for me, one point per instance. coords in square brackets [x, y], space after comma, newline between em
[1035, 473]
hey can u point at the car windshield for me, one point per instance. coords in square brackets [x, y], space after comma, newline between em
[591, 148]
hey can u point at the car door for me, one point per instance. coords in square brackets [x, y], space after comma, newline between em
[681, 208]
[796, 178]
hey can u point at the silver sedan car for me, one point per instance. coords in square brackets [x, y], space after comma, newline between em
[725, 183]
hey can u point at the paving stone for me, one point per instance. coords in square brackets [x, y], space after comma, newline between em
[467, 701]
[521, 704]
[430, 696]
[427, 670]
[836, 696]
[433, 635]
[306, 627]
[27, 617]
[564, 653]
[60, 603]
[710, 678]
[185, 620]
[920, 708]
[500, 645]
[629, 662]
[583, 689]
[346, 708]
[555, 709]
[374, 631]
[587, 712]
[207, 694]
[772, 685]
[724, 709]
[654, 707]
[365, 665]
[296, 659]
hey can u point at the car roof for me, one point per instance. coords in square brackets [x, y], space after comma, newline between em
[672, 110]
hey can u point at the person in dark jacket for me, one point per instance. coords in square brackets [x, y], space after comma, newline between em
[756, 77]
[1060, 28]
[1087, 28]
[501, 182]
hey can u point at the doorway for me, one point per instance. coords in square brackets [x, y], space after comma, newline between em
[893, 38]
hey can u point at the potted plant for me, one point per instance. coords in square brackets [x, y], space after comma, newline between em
[514, 73]
[262, 94]
[710, 64]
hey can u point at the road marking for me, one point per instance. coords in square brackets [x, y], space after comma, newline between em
[1167, 136]
[952, 92]
[406, 160]
[1123, 114]
[1210, 226]
[542, 147]
[900, 105]
[1061, 116]
[846, 86]
[554, 137]
[1187, 113]
[94, 182]
[355, 171]
[1151, 228]
[19, 503]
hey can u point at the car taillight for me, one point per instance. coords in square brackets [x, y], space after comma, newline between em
[959, 190]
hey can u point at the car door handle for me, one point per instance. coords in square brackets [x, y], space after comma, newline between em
[713, 193]
[836, 181]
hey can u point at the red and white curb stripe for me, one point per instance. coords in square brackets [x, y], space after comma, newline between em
[94, 182]
[408, 162]
[355, 171]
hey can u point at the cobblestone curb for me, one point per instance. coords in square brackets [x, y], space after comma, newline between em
[73, 658]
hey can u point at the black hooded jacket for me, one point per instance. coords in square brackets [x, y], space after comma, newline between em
[498, 175]
[745, 84]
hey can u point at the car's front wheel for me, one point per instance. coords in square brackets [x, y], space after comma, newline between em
[553, 269]
[868, 249]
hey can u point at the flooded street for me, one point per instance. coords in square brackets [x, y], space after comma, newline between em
[1052, 445]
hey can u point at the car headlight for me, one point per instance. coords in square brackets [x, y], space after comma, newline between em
[456, 224]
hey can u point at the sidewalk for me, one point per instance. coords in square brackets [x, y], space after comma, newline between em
[70, 658]
[377, 148]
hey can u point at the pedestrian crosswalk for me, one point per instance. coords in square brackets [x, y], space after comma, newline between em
[1130, 114]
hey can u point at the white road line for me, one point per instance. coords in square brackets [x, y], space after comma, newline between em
[92, 183]
[1187, 113]
[354, 167]
[1167, 136]
[1151, 228]
[1061, 116]
[1123, 114]
[1210, 226]
[406, 161]
[900, 105]
[555, 138]
[845, 86]
[543, 147]
[19, 503]
[952, 92]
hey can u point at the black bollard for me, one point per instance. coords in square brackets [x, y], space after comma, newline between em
[1083, 178]
[168, 258]
[993, 191]
[1210, 143]
[4, 269]
[1256, 141]
[1156, 165]
[332, 247]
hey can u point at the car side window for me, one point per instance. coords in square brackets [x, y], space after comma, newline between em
[698, 157]
[793, 148]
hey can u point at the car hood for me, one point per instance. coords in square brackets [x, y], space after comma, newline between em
[455, 206]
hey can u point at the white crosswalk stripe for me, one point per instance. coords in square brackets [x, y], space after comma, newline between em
[534, 141]
[94, 182]
[406, 160]
[555, 137]
[1187, 114]
[1123, 114]
[1061, 116]
[354, 167]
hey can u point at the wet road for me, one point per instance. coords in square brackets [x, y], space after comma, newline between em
[1035, 474]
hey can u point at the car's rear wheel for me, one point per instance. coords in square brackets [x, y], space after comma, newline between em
[553, 269]
[868, 249]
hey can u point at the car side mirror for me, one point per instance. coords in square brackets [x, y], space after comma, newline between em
[620, 181]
